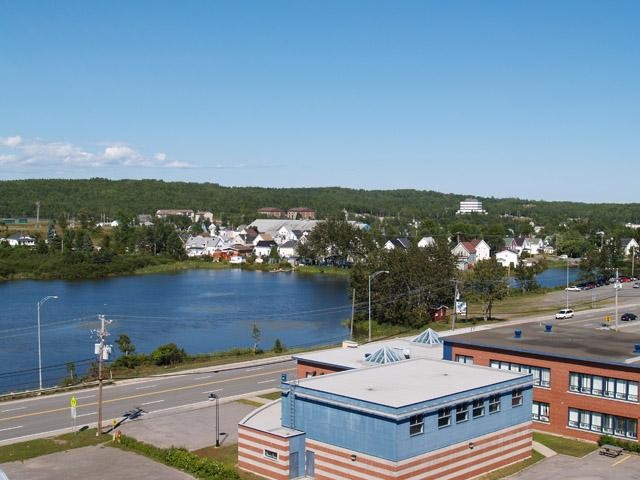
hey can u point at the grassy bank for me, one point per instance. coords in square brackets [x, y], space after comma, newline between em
[565, 446]
[515, 468]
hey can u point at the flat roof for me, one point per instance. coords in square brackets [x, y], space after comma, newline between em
[409, 382]
[354, 357]
[268, 418]
[569, 342]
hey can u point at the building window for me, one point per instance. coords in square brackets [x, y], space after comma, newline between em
[271, 455]
[540, 411]
[603, 423]
[462, 412]
[494, 403]
[444, 417]
[478, 408]
[464, 359]
[516, 397]
[598, 386]
[541, 376]
[416, 425]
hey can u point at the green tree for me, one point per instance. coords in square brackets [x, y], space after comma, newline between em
[487, 283]
[336, 239]
[256, 335]
[125, 345]
[278, 346]
[168, 354]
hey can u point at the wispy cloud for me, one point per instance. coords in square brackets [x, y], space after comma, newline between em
[37, 153]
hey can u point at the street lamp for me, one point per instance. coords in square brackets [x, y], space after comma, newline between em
[372, 276]
[213, 396]
[40, 302]
[567, 289]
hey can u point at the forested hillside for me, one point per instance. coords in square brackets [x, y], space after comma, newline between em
[100, 196]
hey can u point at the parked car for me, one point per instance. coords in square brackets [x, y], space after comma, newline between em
[636, 285]
[564, 313]
[627, 317]
[573, 288]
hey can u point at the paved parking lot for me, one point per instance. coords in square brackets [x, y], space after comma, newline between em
[592, 467]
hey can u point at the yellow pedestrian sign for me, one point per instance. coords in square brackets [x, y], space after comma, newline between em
[73, 402]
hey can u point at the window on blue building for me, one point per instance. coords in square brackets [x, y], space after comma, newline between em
[416, 425]
[478, 408]
[444, 417]
[494, 403]
[516, 397]
[462, 412]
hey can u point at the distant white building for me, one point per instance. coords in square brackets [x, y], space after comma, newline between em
[426, 242]
[18, 240]
[471, 205]
[175, 213]
[629, 245]
[507, 257]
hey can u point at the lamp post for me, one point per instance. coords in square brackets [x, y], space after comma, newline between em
[372, 276]
[566, 290]
[40, 302]
[213, 396]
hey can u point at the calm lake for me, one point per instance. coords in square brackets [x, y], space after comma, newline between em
[200, 310]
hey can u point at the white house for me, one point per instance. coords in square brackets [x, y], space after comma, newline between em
[426, 242]
[507, 257]
[199, 246]
[468, 253]
[400, 242]
[263, 248]
[629, 245]
[288, 249]
[203, 215]
[19, 239]
[536, 246]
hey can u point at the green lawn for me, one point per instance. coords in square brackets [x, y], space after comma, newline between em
[228, 456]
[565, 446]
[515, 468]
[45, 446]
[272, 396]
[251, 403]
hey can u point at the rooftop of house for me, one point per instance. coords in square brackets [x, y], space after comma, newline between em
[289, 244]
[401, 384]
[567, 342]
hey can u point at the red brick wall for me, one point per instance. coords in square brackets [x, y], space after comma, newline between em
[302, 368]
[558, 396]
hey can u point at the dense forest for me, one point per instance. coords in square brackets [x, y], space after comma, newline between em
[99, 196]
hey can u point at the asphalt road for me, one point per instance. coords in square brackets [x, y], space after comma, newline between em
[20, 419]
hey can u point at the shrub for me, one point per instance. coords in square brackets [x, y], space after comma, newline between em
[168, 354]
[627, 445]
[278, 346]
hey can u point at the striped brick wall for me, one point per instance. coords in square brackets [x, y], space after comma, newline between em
[457, 462]
[251, 458]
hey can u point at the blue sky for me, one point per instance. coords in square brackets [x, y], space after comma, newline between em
[538, 100]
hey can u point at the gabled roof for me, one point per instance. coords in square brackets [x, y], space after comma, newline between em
[289, 244]
[468, 246]
[400, 242]
[266, 243]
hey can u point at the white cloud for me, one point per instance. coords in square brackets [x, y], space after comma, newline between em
[39, 153]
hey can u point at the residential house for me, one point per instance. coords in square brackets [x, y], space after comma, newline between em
[261, 237]
[629, 245]
[288, 249]
[144, 219]
[402, 243]
[20, 240]
[426, 242]
[263, 248]
[536, 246]
[198, 246]
[507, 258]
[471, 252]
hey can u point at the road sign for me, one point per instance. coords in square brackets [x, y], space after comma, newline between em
[74, 413]
[73, 402]
[607, 318]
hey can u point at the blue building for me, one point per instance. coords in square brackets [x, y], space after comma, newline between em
[412, 419]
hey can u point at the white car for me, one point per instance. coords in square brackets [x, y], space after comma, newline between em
[564, 313]
[573, 288]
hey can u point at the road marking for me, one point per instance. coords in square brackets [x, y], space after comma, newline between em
[139, 395]
[151, 403]
[623, 459]
[148, 386]
[10, 428]
[212, 391]
[253, 369]
[267, 381]
[13, 409]
[83, 398]
[86, 414]
[203, 378]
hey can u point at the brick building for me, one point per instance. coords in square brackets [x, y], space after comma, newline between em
[411, 419]
[301, 213]
[271, 212]
[585, 380]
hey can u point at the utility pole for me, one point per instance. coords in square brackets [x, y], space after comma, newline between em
[102, 333]
[38, 214]
[353, 308]
[617, 286]
[633, 260]
[456, 295]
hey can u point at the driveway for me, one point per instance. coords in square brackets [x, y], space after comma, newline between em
[592, 467]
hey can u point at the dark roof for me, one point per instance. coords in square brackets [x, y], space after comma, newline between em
[289, 244]
[266, 243]
[568, 342]
[401, 242]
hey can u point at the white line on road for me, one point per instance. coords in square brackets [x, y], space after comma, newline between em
[151, 403]
[12, 409]
[253, 369]
[86, 414]
[212, 391]
[85, 397]
[203, 378]
[267, 381]
[147, 386]
[10, 428]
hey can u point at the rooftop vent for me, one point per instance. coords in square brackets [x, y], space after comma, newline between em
[349, 344]
[547, 328]
[517, 333]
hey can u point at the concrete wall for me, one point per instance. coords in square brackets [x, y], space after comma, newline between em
[558, 396]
